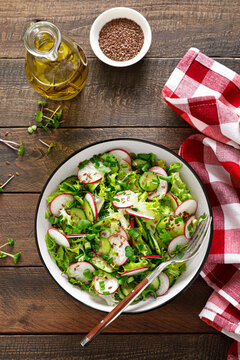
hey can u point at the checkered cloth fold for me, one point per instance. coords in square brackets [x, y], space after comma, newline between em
[207, 95]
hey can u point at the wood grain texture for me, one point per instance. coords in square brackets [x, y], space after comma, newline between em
[36, 165]
[112, 97]
[176, 25]
[32, 303]
[124, 347]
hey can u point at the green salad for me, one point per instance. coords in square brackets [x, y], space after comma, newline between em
[116, 220]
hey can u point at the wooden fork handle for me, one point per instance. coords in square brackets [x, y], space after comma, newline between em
[117, 310]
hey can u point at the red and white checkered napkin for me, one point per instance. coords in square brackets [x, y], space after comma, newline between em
[207, 95]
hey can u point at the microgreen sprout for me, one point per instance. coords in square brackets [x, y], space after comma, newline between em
[6, 182]
[14, 256]
[13, 145]
[4, 254]
[49, 146]
[43, 120]
[9, 242]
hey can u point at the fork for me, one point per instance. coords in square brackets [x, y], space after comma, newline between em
[190, 252]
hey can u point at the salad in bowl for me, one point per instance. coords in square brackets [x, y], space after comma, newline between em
[117, 217]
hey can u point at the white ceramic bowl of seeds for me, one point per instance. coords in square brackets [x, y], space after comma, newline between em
[120, 36]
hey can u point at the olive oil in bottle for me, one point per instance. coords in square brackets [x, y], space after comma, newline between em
[56, 66]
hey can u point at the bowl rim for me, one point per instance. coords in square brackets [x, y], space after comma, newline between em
[137, 140]
[102, 57]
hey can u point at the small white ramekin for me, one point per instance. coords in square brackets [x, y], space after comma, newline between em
[116, 13]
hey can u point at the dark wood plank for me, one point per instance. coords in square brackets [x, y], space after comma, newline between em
[137, 347]
[112, 97]
[176, 26]
[37, 163]
[31, 302]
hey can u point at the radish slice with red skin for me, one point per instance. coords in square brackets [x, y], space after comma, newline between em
[72, 236]
[118, 243]
[172, 199]
[163, 185]
[153, 256]
[135, 213]
[90, 198]
[188, 222]
[78, 268]
[122, 232]
[124, 200]
[59, 202]
[99, 202]
[186, 208]
[89, 174]
[121, 154]
[180, 240]
[105, 234]
[158, 170]
[110, 282]
[164, 284]
[59, 237]
[135, 271]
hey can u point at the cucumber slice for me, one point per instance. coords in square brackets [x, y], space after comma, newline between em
[105, 246]
[156, 283]
[149, 181]
[139, 163]
[111, 161]
[173, 224]
[101, 264]
[120, 294]
[88, 210]
[154, 243]
[142, 227]
[77, 214]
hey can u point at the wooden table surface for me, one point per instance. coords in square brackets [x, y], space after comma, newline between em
[37, 319]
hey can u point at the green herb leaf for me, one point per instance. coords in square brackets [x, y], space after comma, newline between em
[50, 147]
[134, 234]
[2, 255]
[42, 103]
[10, 241]
[16, 257]
[21, 149]
[88, 274]
[39, 116]
[102, 285]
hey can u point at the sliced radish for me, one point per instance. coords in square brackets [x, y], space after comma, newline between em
[132, 222]
[153, 256]
[164, 284]
[188, 222]
[118, 243]
[186, 208]
[90, 198]
[59, 202]
[105, 234]
[121, 154]
[161, 190]
[138, 214]
[135, 271]
[180, 240]
[99, 202]
[89, 174]
[72, 236]
[172, 199]
[158, 170]
[122, 232]
[77, 269]
[59, 237]
[124, 200]
[108, 282]
[125, 166]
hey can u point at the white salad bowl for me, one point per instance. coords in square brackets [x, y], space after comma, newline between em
[69, 167]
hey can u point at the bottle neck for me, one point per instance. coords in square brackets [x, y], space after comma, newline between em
[42, 39]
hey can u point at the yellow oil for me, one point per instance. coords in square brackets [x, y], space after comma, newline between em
[61, 79]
